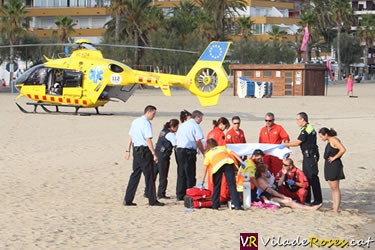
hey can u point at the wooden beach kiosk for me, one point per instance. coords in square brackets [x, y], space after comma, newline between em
[287, 79]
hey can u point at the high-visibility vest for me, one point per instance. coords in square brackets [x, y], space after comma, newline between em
[250, 170]
[218, 157]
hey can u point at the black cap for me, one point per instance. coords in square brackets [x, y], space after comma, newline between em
[258, 152]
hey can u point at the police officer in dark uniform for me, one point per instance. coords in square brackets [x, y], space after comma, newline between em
[144, 156]
[163, 149]
[307, 142]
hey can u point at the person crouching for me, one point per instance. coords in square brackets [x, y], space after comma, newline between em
[292, 182]
[220, 160]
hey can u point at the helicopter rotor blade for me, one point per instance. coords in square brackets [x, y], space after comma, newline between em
[100, 45]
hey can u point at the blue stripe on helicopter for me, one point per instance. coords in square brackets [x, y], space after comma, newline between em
[215, 52]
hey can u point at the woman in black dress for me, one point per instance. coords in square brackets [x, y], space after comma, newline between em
[333, 168]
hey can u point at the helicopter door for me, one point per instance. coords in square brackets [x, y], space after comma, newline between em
[72, 84]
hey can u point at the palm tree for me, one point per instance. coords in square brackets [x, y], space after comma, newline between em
[324, 24]
[65, 27]
[184, 19]
[139, 17]
[222, 12]
[13, 16]
[277, 35]
[205, 26]
[367, 36]
[342, 14]
[245, 26]
[117, 7]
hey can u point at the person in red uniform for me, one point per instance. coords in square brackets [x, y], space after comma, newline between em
[217, 133]
[235, 134]
[273, 133]
[292, 182]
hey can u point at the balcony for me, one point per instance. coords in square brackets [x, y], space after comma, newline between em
[68, 11]
[276, 20]
[78, 32]
[270, 4]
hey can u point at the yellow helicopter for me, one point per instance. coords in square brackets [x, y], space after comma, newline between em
[88, 80]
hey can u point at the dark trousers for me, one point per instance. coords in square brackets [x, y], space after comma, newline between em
[143, 162]
[186, 171]
[162, 168]
[228, 170]
[310, 169]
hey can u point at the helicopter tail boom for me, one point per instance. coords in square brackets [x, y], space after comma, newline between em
[207, 79]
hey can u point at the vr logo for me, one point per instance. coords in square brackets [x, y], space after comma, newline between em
[248, 241]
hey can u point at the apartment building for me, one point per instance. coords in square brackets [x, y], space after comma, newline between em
[265, 14]
[91, 15]
[88, 15]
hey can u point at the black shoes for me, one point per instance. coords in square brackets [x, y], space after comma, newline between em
[314, 203]
[164, 197]
[126, 203]
[158, 204]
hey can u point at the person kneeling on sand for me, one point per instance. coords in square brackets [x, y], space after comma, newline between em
[221, 160]
[271, 194]
[292, 182]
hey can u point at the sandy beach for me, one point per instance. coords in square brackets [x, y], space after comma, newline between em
[62, 177]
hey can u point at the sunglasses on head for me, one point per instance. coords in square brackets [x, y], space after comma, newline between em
[268, 120]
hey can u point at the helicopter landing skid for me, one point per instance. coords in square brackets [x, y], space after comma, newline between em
[57, 111]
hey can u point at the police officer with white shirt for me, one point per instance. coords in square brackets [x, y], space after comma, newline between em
[189, 137]
[140, 139]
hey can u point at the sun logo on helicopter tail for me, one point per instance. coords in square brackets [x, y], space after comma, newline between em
[96, 75]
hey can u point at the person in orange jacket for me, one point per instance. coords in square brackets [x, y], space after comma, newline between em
[235, 134]
[273, 133]
[217, 133]
[292, 182]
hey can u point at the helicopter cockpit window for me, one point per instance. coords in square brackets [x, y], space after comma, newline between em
[115, 68]
[72, 79]
[35, 76]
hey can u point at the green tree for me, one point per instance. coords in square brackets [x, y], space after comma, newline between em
[351, 51]
[342, 15]
[117, 7]
[12, 24]
[366, 33]
[184, 20]
[261, 52]
[222, 13]
[138, 13]
[205, 27]
[276, 34]
[244, 26]
[138, 19]
[65, 28]
[325, 23]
